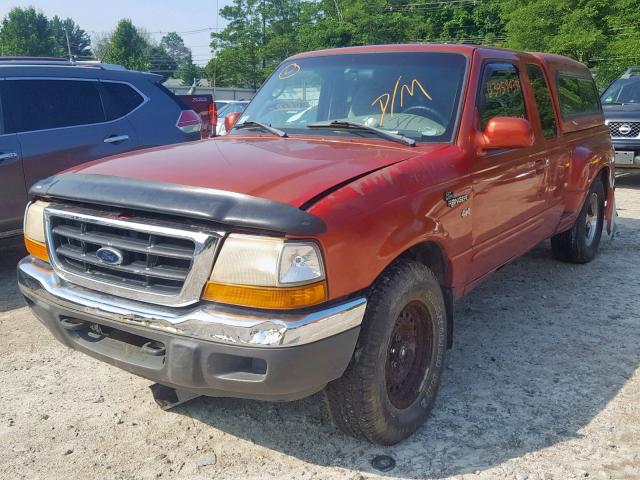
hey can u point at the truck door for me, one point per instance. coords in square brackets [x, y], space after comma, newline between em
[61, 123]
[13, 194]
[509, 193]
[553, 152]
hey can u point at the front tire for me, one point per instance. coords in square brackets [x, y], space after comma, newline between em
[580, 243]
[389, 387]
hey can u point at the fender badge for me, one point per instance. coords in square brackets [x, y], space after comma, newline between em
[453, 200]
[465, 212]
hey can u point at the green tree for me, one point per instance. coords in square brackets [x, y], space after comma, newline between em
[189, 73]
[26, 32]
[161, 62]
[79, 40]
[127, 47]
[174, 46]
[259, 35]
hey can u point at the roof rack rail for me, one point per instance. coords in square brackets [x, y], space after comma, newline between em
[631, 72]
[58, 61]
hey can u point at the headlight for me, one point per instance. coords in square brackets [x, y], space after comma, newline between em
[34, 238]
[266, 272]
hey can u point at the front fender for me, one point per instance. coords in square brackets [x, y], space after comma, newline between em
[376, 218]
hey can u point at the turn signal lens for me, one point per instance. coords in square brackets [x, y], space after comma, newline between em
[37, 249]
[272, 298]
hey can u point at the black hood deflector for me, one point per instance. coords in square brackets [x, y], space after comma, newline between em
[219, 206]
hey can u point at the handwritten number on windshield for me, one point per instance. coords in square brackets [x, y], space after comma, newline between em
[384, 99]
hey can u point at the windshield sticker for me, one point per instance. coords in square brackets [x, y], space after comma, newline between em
[289, 71]
[384, 99]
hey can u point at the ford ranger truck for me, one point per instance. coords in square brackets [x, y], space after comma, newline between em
[321, 245]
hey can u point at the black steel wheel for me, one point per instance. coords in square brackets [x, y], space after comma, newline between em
[389, 387]
[580, 243]
[409, 354]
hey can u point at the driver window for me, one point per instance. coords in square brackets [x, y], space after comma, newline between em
[296, 101]
[501, 93]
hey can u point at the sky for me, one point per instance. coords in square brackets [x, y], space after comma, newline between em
[194, 20]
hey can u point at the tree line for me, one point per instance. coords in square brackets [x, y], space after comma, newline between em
[604, 34]
[29, 32]
[259, 34]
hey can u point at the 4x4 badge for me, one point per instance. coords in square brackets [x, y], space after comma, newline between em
[453, 200]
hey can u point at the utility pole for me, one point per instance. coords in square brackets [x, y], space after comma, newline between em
[66, 34]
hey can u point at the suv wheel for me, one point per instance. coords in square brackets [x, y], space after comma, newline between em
[390, 385]
[580, 243]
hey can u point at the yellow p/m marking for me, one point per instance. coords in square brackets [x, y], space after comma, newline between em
[384, 99]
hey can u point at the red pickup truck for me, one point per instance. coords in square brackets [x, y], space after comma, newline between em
[322, 243]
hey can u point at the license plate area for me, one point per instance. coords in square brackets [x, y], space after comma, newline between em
[625, 158]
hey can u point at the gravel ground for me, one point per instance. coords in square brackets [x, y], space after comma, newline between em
[542, 383]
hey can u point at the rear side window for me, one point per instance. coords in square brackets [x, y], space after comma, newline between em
[119, 99]
[543, 100]
[43, 104]
[501, 93]
[577, 96]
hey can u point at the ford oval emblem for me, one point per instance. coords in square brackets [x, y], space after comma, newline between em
[110, 256]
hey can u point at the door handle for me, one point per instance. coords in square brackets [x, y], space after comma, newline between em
[8, 156]
[116, 138]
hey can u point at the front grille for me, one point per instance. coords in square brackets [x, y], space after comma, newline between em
[156, 263]
[624, 129]
[150, 261]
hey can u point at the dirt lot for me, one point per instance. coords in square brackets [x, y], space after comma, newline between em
[542, 383]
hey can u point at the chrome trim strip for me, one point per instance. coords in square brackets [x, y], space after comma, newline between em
[206, 321]
[206, 245]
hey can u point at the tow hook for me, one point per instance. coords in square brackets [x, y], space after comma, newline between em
[169, 397]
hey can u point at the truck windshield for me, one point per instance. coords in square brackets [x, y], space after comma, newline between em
[412, 94]
[622, 91]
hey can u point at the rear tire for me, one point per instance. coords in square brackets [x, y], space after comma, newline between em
[580, 243]
[389, 387]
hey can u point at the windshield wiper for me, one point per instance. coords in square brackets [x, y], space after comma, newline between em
[268, 128]
[394, 137]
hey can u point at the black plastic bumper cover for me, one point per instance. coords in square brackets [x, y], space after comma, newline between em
[206, 368]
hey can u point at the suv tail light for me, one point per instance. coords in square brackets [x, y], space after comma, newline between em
[213, 117]
[189, 121]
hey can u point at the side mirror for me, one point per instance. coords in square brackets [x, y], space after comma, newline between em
[230, 120]
[506, 132]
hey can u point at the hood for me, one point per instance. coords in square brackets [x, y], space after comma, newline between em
[628, 111]
[290, 171]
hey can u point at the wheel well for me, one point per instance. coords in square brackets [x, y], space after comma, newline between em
[434, 257]
[431, 255]
[604, 176]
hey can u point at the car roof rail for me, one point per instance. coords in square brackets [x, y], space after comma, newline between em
[631, 72]
[58, 61]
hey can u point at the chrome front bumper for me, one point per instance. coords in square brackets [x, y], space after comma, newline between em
[205, 321]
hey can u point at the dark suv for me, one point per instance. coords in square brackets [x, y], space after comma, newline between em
[55, 114]
[621, 105]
